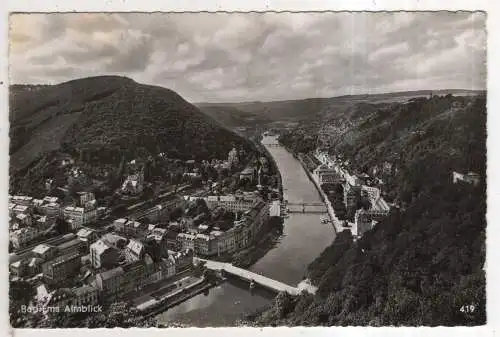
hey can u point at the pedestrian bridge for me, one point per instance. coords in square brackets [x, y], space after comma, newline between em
[261, 280]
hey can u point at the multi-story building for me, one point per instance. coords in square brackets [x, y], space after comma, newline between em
[22, 200]
[186, 241]
[61, 268]
[85, 198]
[135, 251]
[373, 193]
[183, 259]
[131, 228]
[45, 252]
[205, 244]
[134, 183]
[159, 235]
[102, 255]
[110, 282]
[52, 210]
[87, 235]
[84, 295]
[233, 158]
[234, 203]
[326, 175]
[24, 219]
[351, 195]
[79, 216]
[74, 246]
[23, 236]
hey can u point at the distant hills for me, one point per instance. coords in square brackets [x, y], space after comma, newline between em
[252, 114]
[111, 117]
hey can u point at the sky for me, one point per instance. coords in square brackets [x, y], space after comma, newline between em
[231, 57]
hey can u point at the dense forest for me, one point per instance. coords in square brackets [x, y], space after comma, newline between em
[424, 264]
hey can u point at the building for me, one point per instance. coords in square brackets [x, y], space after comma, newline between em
[52, 210]
[23, 219]
[22, 200]
[84, 295]
[232, 158]
[234, 203]
[183, 259]
[134, 183]
[87, 235]
[469, 178]
[205, 245]
[75, 246]
[134, 251]
[159, 235]
[102, 255]
[21, 237]
[86, 199]
[373, 193]
[186, 241]
[45, 252]
[79, 216]
[352, 195]
[131, 228]
[18, 268]
[363, 222]
[248, 174]
[326, 175]
[110, 282]
[61, 268]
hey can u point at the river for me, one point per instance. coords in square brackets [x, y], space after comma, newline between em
[304, 238]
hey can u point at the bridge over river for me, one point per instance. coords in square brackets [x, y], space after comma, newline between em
[305, 207]
[261, 280]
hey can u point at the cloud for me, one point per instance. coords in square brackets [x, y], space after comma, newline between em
[255, 56]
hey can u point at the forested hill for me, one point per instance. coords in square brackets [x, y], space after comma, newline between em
[110, 117]
[423, 265]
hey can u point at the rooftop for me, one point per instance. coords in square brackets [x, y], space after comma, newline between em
[41, 249]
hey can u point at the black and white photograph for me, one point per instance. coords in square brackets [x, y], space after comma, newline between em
[247, 169]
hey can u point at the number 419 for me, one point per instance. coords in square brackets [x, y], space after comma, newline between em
[468, 308]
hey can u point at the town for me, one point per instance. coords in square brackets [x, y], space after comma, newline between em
[71, 251]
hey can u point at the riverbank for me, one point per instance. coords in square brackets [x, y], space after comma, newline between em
[337, 224]
[180, 296]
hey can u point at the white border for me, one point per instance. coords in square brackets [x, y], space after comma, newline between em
[272, 5]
